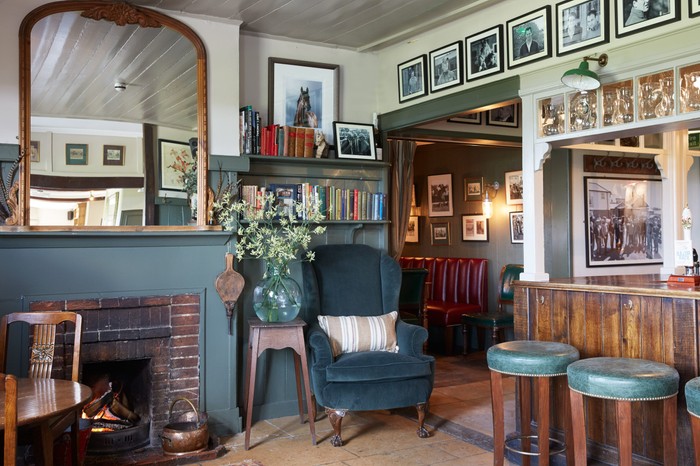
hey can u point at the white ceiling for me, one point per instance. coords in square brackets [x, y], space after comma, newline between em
[77, 61]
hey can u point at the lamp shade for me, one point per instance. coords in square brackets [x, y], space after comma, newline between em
[581, 78]
[487, 206]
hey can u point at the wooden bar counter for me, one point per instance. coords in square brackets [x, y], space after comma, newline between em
[634, 316]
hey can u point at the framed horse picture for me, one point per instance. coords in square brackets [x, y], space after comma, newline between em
[303, 94]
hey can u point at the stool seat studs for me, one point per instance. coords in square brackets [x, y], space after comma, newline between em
[531, 362]
[692, 401]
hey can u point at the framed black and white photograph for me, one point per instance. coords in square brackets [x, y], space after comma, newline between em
[440, 233]
[412, 230]
[303, 94]
[355, 141]
[112, 155]
[484, 53]
[516, 227]
[446, 67]
[529, 37]
[514, 188]
[440, 195]
[694, 8]
[466, 119]
[581, 24]
[171, 156]
[475, 227]
[412, 83]
[632, 16]
[623, 221]
[504, 116]
[473, 188]
[76, 154]
[35, 155]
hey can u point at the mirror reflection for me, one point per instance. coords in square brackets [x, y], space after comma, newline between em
[102, 96]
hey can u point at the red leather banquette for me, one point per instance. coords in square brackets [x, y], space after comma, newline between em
[457, 286]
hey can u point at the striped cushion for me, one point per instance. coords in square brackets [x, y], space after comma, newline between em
[354, 334]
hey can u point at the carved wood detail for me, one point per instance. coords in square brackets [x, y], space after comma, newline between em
[336, 417]
[13, 205]
[122, 14]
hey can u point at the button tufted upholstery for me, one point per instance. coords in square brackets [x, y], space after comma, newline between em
[457, 285]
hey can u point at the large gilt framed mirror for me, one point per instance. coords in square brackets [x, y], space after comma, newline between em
[102, 86]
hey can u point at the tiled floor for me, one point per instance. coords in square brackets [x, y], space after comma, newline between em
[459, 424]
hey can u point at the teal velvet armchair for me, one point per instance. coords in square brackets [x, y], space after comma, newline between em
[358, 280]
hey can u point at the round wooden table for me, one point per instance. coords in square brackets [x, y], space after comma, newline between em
[39, 401]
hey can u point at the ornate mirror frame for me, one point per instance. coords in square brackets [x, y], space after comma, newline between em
[121, 14]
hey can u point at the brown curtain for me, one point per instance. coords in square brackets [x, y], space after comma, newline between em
[401, 153]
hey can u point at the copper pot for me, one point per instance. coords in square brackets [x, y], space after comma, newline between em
[189, 434]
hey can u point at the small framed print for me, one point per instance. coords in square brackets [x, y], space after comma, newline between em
[473, 188]
[113, 155]
[632, 16]
[484, 53]
[529, 37]
[412, 230]
[581, 24]
[467, 119]
[440, 195]
[34, 155]
[475, 228]
[516, 227]
[694, 8]
[446, 67]
[355, 141]
[503, 116]
[285, 198]
[412, 82]
[514, 188]
[440, 234]
[76, 154]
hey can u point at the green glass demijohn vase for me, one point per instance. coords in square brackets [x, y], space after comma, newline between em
[277, 297]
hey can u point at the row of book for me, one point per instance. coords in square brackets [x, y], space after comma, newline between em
[334, 203]
[278, 140]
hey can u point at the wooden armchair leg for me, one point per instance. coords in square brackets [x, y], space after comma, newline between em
[422, 409]
[336, 417]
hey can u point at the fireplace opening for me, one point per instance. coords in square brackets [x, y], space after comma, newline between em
[120, 407]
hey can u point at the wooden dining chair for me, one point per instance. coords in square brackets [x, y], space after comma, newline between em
[10, 386]
[42, 327]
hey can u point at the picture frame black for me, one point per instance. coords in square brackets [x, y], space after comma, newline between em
[354, 141]
[412, 78]
[475, 227]
[473, 188]
[112, 155]
[466, 119]
[581, 24]
[617, 209]
[290, 81]
[533, 26]
[693, 8]
[446, 67]
[76, 154]
[440, 195]
[412, 230]
[631, 20]
[514, 187]
[508, 115]
[484, 53]
[440, 233]
[168, 151]
[516, 227]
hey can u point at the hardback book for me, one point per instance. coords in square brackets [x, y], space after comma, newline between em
[285, 144]
[299, 142]
[309, 135]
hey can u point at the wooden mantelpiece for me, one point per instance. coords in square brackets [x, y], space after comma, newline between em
[638, 316]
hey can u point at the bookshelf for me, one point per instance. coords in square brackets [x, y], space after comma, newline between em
[365, 176]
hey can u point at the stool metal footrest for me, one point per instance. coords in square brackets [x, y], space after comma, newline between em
[561, 446]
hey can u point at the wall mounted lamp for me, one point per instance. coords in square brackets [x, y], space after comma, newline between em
[487, 205]
[582, 78]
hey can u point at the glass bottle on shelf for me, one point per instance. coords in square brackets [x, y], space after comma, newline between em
[608, 106]
[664, 99]
[690, 92]
[648, 99]
[582, 111]
[622, 106]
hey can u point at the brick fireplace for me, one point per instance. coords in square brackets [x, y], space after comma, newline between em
[162, 330]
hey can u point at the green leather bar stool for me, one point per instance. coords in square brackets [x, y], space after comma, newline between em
[692, 400]
[623, 380]
[529, 361]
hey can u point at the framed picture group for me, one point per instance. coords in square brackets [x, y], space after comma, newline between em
[569, 27]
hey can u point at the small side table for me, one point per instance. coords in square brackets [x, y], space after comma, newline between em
[277, 335]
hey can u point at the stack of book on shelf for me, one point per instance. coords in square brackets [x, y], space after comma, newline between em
[333, 202]
[276, 140]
